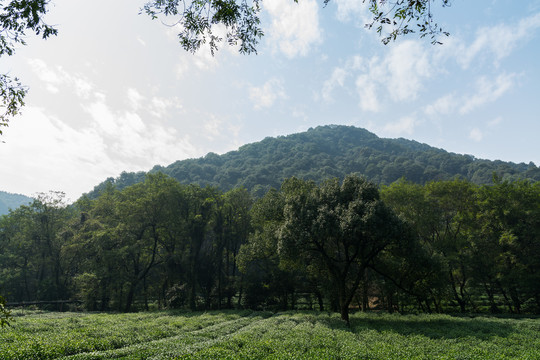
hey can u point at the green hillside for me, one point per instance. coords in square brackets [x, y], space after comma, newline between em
[12, 201]
[331, 151]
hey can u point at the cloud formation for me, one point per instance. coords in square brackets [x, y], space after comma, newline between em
[487, 91]
[55, 78]
[348, 10]
[294, 26]
[476, 134]
[403, 126]
[102, 142]
[265, 96]
[491, 43]
[400, 74]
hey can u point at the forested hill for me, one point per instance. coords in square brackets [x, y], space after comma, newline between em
[12, 201]
[331, 151]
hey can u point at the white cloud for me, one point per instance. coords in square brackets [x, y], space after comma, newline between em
[135, 98]
[182, 67]
[367, 92]
[51, 145]
[141, 41]
[212, 127]
[131, 139]
[294, 26]
[407, 64]
[156, 106]
[493, 123]
[266, 95]
[352, 9]
[56, 78]
[403, 126]
[52, 79]
[399, 74]
[442, 106]
[487, 91]
[339, 76]
[492, 43]
[203, 59]
[336, 79]
[103, 117]
[159, 107]
[476, 135]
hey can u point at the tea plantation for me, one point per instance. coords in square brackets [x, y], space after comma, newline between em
[265, 335]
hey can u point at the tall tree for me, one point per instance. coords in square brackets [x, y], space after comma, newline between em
[343, 227]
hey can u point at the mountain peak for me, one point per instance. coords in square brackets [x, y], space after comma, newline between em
[332, 151]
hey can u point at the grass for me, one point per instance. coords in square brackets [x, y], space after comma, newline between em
[263, 335]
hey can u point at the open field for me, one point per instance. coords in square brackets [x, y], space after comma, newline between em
[263, 335]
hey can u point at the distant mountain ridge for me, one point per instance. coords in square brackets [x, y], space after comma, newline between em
[12, 201]
[330, 151]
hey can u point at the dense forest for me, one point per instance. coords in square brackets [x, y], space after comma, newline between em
[442, 246]
[326, 152]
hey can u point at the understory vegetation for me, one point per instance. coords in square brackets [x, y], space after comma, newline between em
[265, 335]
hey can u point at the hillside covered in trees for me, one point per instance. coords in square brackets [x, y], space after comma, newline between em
[330, 151]
[12, 201]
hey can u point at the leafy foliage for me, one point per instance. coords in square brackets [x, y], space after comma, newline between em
[17, 17]
[12, 94]
[398, 15]
[198, 20]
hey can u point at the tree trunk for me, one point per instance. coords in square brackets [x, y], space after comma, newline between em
[492, 306]
[344, 312]
[515, 299]
[343, 303]
[320, 300]
[129, 299]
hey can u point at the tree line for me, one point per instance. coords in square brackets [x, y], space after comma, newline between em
[446, 246]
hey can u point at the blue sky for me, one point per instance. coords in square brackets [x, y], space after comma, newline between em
[115, 92]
